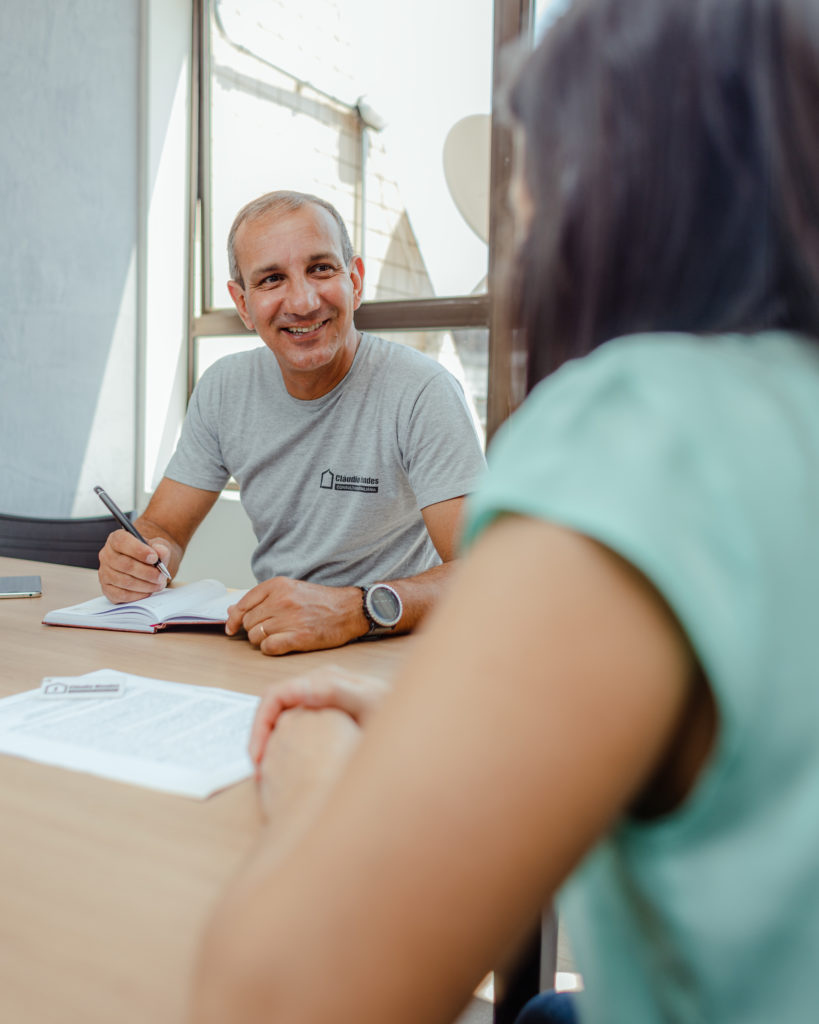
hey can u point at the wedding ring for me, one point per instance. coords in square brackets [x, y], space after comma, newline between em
[261, 627]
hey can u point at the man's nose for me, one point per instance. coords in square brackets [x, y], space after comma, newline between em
[302, 297]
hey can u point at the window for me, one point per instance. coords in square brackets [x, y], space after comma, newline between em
[390, 119]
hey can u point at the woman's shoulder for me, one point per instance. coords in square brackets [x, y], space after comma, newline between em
[677, 382]
[680, 357]
[664, 417]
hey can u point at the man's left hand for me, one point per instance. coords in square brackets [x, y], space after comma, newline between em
[283, 615]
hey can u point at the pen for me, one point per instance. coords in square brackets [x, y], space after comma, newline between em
[126, 524]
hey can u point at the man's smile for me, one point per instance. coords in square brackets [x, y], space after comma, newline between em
[300, 331]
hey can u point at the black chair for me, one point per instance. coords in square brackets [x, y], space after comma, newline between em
[60, 541]
[533, 972]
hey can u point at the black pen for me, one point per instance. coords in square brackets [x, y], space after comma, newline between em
[126, 524]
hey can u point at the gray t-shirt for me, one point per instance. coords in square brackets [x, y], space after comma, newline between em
[334, 486]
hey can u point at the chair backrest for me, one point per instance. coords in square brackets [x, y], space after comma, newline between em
[61, 541]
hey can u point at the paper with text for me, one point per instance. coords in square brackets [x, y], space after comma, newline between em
[173, 737]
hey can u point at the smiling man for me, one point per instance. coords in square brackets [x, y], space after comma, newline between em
[353, 454]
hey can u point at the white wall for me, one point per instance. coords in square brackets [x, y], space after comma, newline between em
[94, 203]
[68, 204]
[221, 547]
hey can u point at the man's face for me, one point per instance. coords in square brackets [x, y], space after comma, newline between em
[299, 296]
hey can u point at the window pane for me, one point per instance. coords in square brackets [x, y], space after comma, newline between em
[545, 13]
[210, 348]
[382, 109]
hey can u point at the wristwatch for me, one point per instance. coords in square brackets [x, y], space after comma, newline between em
[382, 607]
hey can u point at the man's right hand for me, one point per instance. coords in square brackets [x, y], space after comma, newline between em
[128, 568]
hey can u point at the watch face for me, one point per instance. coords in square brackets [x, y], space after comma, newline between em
[385, 605]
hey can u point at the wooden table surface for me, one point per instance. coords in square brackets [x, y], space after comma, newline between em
[105, 886]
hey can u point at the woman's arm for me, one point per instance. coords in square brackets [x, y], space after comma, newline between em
[545, 690]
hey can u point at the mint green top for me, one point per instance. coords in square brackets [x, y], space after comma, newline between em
[697, 460]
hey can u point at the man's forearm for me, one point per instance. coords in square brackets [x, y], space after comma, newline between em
[173, 515]
[418, 596]
[420, 593]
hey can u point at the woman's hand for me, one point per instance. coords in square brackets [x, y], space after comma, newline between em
[328, 687]
[301, 764]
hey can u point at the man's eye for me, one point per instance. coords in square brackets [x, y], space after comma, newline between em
[323, 268]
[271, 279]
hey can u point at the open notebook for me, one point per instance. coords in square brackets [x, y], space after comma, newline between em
[196, 604]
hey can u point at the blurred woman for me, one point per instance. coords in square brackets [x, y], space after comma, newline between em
[619, 699]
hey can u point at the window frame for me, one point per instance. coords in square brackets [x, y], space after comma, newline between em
[512, 20]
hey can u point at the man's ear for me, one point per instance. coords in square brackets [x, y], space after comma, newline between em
[237, 293]
[356, 272]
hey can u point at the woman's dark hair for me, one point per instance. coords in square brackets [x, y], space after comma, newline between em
[672, 157]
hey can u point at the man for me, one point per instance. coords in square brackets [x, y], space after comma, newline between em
[353, 454]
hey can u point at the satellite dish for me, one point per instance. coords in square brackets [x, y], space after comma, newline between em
[466, 169]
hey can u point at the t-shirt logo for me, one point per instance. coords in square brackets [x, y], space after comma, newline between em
[331, 481]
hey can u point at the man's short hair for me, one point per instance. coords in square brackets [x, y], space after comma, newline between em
[283, 202]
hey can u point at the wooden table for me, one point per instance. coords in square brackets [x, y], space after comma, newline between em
[106, 886]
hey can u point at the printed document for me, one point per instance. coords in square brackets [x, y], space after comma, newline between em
[173, 737]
